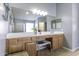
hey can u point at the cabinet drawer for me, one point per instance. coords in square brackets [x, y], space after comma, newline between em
[40, 38]
[12, 41]
[15, 48]
[34, 39]
[27, 40]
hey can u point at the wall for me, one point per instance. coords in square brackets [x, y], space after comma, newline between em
[64, 11]
[75, 27]
[69, 14]
[78, 24]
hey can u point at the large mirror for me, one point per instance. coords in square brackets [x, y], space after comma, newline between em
[27, 21]
[56, 24]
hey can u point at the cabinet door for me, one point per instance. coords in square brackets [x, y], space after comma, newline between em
[34, 39]
[55, 42]
[7, 46]
[61, 38]
[27, 40]
[31, 49]
[39, 38]
[20, 45]
[12, 45]
[12, 42]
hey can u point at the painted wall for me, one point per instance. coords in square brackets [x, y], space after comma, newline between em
[69, 14]
[64, 11]
[75, 31]
[78, 24]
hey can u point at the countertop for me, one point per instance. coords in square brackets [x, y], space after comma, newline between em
[16, 35]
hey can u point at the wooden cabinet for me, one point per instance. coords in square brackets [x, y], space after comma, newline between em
[31, 49]
[57, 41]
[29, 43]
[34, 39]
[61, 39]
[12, 43]
[16, 44]
[41, 38]
[27, 39]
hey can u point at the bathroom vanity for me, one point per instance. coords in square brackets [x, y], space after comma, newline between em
[22, 42]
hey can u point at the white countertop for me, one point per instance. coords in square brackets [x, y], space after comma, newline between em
[15, 35]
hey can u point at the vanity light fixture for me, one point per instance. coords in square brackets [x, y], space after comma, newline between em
[39, 12]
[34, 11]
[46, 13]
[27, 12]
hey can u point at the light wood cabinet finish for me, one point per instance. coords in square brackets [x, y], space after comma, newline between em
[57, 41]
[61, 39]
[31, 49]
[34, 39]
[16, 44]
[41, 38]
[29, 43]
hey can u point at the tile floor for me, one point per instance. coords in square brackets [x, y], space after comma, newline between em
[58, 52]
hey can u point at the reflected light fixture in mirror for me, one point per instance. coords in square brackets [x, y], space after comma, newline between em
[46, 13]
[27, 12]
[34, 11]
[39, 12]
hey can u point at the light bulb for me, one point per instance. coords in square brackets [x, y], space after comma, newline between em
[34, 11]
[27, 13]
[41, 13]
[46, 13]
[38, 12]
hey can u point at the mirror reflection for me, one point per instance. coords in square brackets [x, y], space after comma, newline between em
[33, 21]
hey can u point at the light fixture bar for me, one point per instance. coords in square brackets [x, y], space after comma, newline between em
[39, 12]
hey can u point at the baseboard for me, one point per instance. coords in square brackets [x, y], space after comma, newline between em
[75, 49]
[67, 49]
[72, 50]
